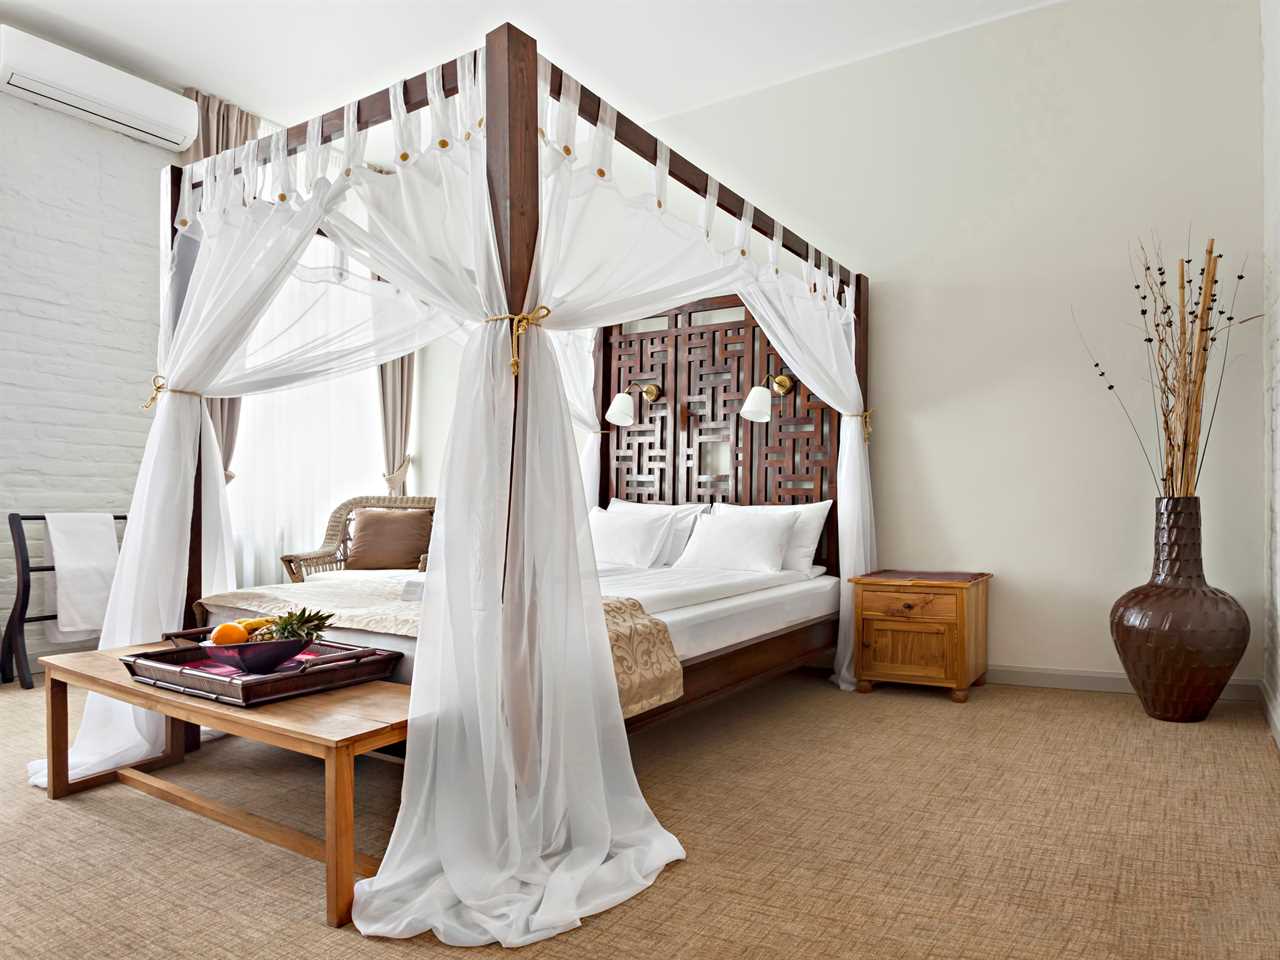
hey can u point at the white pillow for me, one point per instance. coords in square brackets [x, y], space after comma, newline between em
[755, 542]
[810, 519]
[683, 515]
[628, 539]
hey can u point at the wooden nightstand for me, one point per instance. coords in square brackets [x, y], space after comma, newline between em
[929, 628]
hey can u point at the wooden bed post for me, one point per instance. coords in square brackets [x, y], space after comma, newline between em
[511, 157]
[195, 547]
[859, 298]
[511, 145]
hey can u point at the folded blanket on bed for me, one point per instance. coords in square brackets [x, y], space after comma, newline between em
[644, 658]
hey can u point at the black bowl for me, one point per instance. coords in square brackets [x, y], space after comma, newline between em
[261, 657]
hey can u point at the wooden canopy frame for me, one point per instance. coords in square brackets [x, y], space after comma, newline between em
[512, 147]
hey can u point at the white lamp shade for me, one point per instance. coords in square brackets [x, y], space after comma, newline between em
[758, 406]
[622, 411]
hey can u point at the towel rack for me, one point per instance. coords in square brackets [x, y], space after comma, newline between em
[13, 653]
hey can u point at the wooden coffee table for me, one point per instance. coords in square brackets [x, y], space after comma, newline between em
[335, 725]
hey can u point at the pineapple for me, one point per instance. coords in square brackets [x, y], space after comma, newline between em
[295, 625]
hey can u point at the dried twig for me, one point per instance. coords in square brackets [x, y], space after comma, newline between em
[1111, 388]
[1179, 339]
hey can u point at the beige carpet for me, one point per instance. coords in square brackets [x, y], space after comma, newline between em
[1025, 824]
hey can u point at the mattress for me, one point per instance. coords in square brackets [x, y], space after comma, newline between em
[704, 610]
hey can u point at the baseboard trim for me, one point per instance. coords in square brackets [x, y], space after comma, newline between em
[1104, 682]
[1271, 706]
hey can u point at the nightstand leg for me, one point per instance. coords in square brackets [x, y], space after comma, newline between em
[980, 682]
[960, 696]
[865, 686]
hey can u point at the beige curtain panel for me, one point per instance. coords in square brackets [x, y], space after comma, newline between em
[395, 392]
[223, 126]
[225, 414]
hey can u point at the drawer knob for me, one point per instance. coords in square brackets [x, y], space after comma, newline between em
[908, 606]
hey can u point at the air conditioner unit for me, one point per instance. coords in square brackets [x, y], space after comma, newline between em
[59, 79]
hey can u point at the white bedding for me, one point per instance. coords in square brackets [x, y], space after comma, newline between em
[660, 589]
[704, 610]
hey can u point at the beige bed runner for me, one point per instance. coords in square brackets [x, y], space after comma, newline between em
[644, 659]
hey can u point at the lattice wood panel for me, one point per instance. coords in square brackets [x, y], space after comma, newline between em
[713, 375]
[690, 446]
[644, 455]
[796, 450]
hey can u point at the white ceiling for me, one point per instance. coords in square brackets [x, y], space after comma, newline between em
[290, 59]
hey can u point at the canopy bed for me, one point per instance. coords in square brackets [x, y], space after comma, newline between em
[504, 220]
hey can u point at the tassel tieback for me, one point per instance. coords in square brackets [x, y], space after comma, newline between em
[520, 322]
[158, 386]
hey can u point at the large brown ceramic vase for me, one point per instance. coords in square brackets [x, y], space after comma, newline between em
[1178, 638]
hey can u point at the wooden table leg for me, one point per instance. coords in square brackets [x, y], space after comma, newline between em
[175, 740]
[339, 834]
[55, 724]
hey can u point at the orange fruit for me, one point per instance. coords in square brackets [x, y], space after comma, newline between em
[226, 633]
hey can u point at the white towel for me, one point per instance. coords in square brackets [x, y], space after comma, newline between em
[83, 549]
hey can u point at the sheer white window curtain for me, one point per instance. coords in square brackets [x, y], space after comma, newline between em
[303, 449]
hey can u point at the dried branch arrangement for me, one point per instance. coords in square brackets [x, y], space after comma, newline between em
[1181, 331]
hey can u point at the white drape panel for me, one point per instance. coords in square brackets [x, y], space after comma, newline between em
[306, 448]
[520, 813]
[231, 259]
[575, 352]
[245, 255]
[813, 333]
[605, 257]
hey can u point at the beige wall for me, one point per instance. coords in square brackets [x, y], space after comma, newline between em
[988, 181]
[1271, 249]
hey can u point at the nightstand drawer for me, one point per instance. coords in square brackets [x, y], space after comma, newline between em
[933, 606]
[906, 650]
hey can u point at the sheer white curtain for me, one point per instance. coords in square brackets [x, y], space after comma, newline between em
[642, 257]
[304, 449]
[231, 259]
[814, 334]
[576, 354]
[520, 813]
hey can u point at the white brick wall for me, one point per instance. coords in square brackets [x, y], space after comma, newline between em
[79, 307]
[1271, 339]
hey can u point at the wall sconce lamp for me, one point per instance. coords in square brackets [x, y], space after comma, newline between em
[622, 409]
[758, 406]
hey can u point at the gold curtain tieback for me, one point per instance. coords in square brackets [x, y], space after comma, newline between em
[520, 322]
[865, 415]
[158, 386]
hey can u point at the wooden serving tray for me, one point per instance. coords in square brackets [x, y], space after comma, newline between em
[325, 665]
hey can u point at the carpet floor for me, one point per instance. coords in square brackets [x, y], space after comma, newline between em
[1027, 823]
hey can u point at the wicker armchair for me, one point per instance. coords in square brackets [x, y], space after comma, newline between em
[332, 554]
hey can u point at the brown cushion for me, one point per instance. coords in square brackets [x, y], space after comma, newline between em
[388, 539]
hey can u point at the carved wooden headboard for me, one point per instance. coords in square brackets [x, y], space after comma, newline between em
[690, 445]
